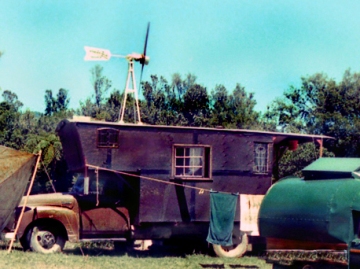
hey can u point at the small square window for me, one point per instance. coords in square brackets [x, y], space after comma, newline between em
[107, 138]
[191, 162]
[261, 158]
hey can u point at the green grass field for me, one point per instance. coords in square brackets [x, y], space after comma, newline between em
[91, 256]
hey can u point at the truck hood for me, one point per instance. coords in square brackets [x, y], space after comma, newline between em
[50, 199]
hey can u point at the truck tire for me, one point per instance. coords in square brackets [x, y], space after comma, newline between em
[234, 251]
[46, 240]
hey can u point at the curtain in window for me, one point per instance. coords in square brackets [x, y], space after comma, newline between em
[195, 165]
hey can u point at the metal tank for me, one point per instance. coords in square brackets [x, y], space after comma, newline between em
[314, 220]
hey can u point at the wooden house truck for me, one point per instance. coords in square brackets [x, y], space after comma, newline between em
[152, 182]
[153, 157]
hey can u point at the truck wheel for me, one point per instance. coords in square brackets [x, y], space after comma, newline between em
[234, 251]
[45, 240]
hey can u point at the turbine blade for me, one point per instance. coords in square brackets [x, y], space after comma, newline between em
[143, 59]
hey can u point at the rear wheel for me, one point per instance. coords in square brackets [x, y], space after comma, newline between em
[44, 239]
[236, 250]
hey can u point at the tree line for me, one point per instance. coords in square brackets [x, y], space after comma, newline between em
[320, 105]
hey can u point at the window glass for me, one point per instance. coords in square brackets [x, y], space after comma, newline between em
[108, 186]
[261, 158]
[108, 138]
[191, 161]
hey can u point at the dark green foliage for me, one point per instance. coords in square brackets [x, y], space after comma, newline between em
[187, 103]
[196, 106]
[244, 115]
[163, 103]
[235, 110]
[42, 137]
[181, 102]
[100, 83]
[323, 106]
[292, 162]
[32, 132]
[220, 107]
[10, 131]
[58, 104]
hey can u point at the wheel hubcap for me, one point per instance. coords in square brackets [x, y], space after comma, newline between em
[46, 239]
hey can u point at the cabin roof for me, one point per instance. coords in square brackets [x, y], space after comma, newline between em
[277, 136]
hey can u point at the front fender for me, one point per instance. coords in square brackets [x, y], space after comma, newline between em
[67, 217]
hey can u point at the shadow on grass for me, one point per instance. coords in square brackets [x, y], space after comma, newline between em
[157, 250]
[220, 266]
[4, 245]
[243, 266]
[217, 266]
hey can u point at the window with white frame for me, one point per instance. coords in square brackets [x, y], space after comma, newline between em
[191, 161]
[261, 158]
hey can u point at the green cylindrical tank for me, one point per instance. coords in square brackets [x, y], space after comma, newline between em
[326, 210]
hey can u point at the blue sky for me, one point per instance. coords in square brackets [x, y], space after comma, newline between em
[266, 46]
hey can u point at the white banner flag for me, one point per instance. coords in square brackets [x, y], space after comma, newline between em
[96, 54]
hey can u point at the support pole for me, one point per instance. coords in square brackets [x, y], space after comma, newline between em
[320, 141]
[321, 148]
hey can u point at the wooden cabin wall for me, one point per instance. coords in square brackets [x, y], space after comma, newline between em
[150, 149]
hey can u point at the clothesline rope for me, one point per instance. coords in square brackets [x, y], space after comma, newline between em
[201, 190]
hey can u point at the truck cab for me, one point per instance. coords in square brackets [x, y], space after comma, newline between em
[91, 211]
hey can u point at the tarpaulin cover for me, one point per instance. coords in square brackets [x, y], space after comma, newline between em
[311, 210]
[15, 171]
[222, 207]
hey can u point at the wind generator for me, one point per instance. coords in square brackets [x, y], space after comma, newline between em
[97, 54]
